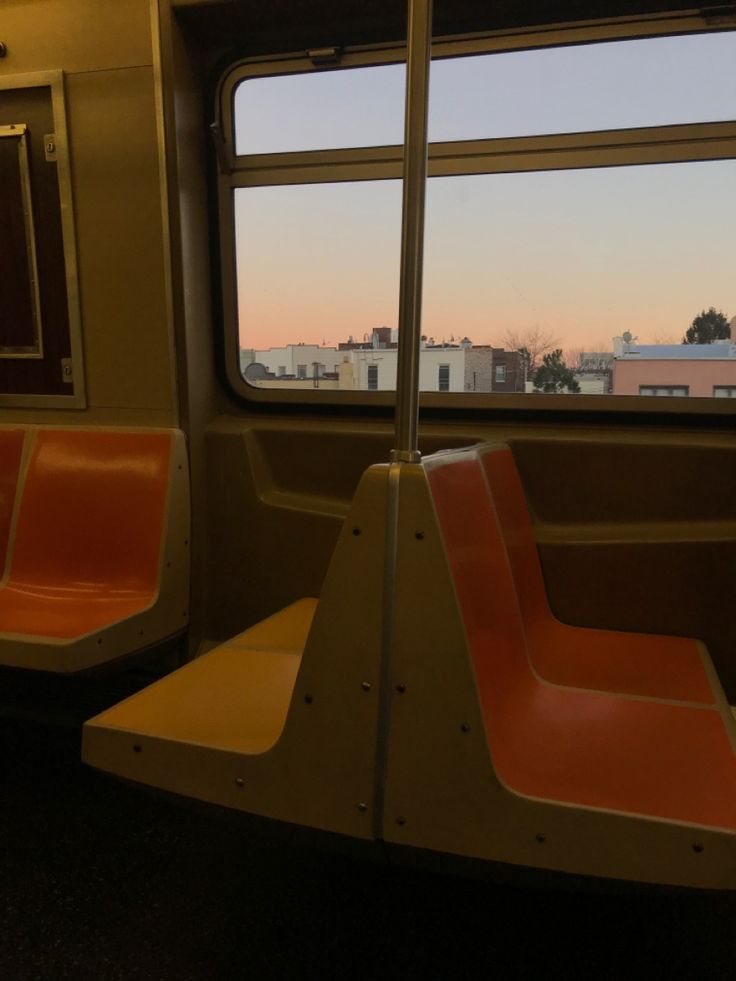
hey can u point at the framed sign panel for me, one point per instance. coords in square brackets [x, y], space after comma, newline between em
[40, 329]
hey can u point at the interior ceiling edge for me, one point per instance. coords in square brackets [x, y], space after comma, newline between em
[226, 30]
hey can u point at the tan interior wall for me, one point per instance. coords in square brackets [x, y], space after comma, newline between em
[105, 50]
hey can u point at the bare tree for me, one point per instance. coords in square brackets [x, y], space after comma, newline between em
[532, 343]
[571, 357]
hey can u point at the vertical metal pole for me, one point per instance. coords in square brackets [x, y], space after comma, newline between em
[412, 230]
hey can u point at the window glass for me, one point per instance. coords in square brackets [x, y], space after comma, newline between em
[608, 266]
[320, 110]
[563, 281]
[617, 84]
[317, 271]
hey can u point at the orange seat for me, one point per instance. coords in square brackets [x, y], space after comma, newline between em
[89, 540]
[606, 660]
[11, 451]
[587, 748]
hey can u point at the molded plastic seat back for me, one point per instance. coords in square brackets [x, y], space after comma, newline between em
[99, 564]
[488, 760]
[93, 510]
[606, 660]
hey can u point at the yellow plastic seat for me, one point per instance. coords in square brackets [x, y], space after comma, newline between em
[233, 698]
[281, 720]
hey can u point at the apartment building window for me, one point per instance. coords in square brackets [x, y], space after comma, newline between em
[667, 390]
[372, 377]
[301, 371]
[622, 170]
[724, 391]
[282, 369]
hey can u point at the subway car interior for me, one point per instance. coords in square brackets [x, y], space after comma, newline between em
[367, 488]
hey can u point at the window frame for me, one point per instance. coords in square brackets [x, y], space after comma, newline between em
[663, 391]
[675, 143]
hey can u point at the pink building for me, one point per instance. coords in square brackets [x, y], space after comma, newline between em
[705, 370]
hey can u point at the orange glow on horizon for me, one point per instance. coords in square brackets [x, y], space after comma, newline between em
[583, 255]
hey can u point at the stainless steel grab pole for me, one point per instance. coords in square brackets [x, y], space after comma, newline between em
[412, 230]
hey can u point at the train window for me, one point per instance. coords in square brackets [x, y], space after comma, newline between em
[320, 110]
[564, 254]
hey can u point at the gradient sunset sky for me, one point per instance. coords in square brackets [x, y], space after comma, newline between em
[583, 254]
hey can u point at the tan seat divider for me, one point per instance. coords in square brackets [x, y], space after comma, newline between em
[281, 721]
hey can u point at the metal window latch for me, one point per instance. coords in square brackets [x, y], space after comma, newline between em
[67, 371]
[325, 56]
[220, 149]
[49, 147]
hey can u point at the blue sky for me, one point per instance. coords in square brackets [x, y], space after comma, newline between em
[583, 255]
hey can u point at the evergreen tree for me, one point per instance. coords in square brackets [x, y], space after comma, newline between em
[554, 375]
[710, 325]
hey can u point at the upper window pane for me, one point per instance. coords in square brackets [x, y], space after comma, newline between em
[651, 82]
[320, 110]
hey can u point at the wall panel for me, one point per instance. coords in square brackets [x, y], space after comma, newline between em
[105, 50]
[117, 193]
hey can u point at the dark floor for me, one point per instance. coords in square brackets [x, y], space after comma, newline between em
[100, 881]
